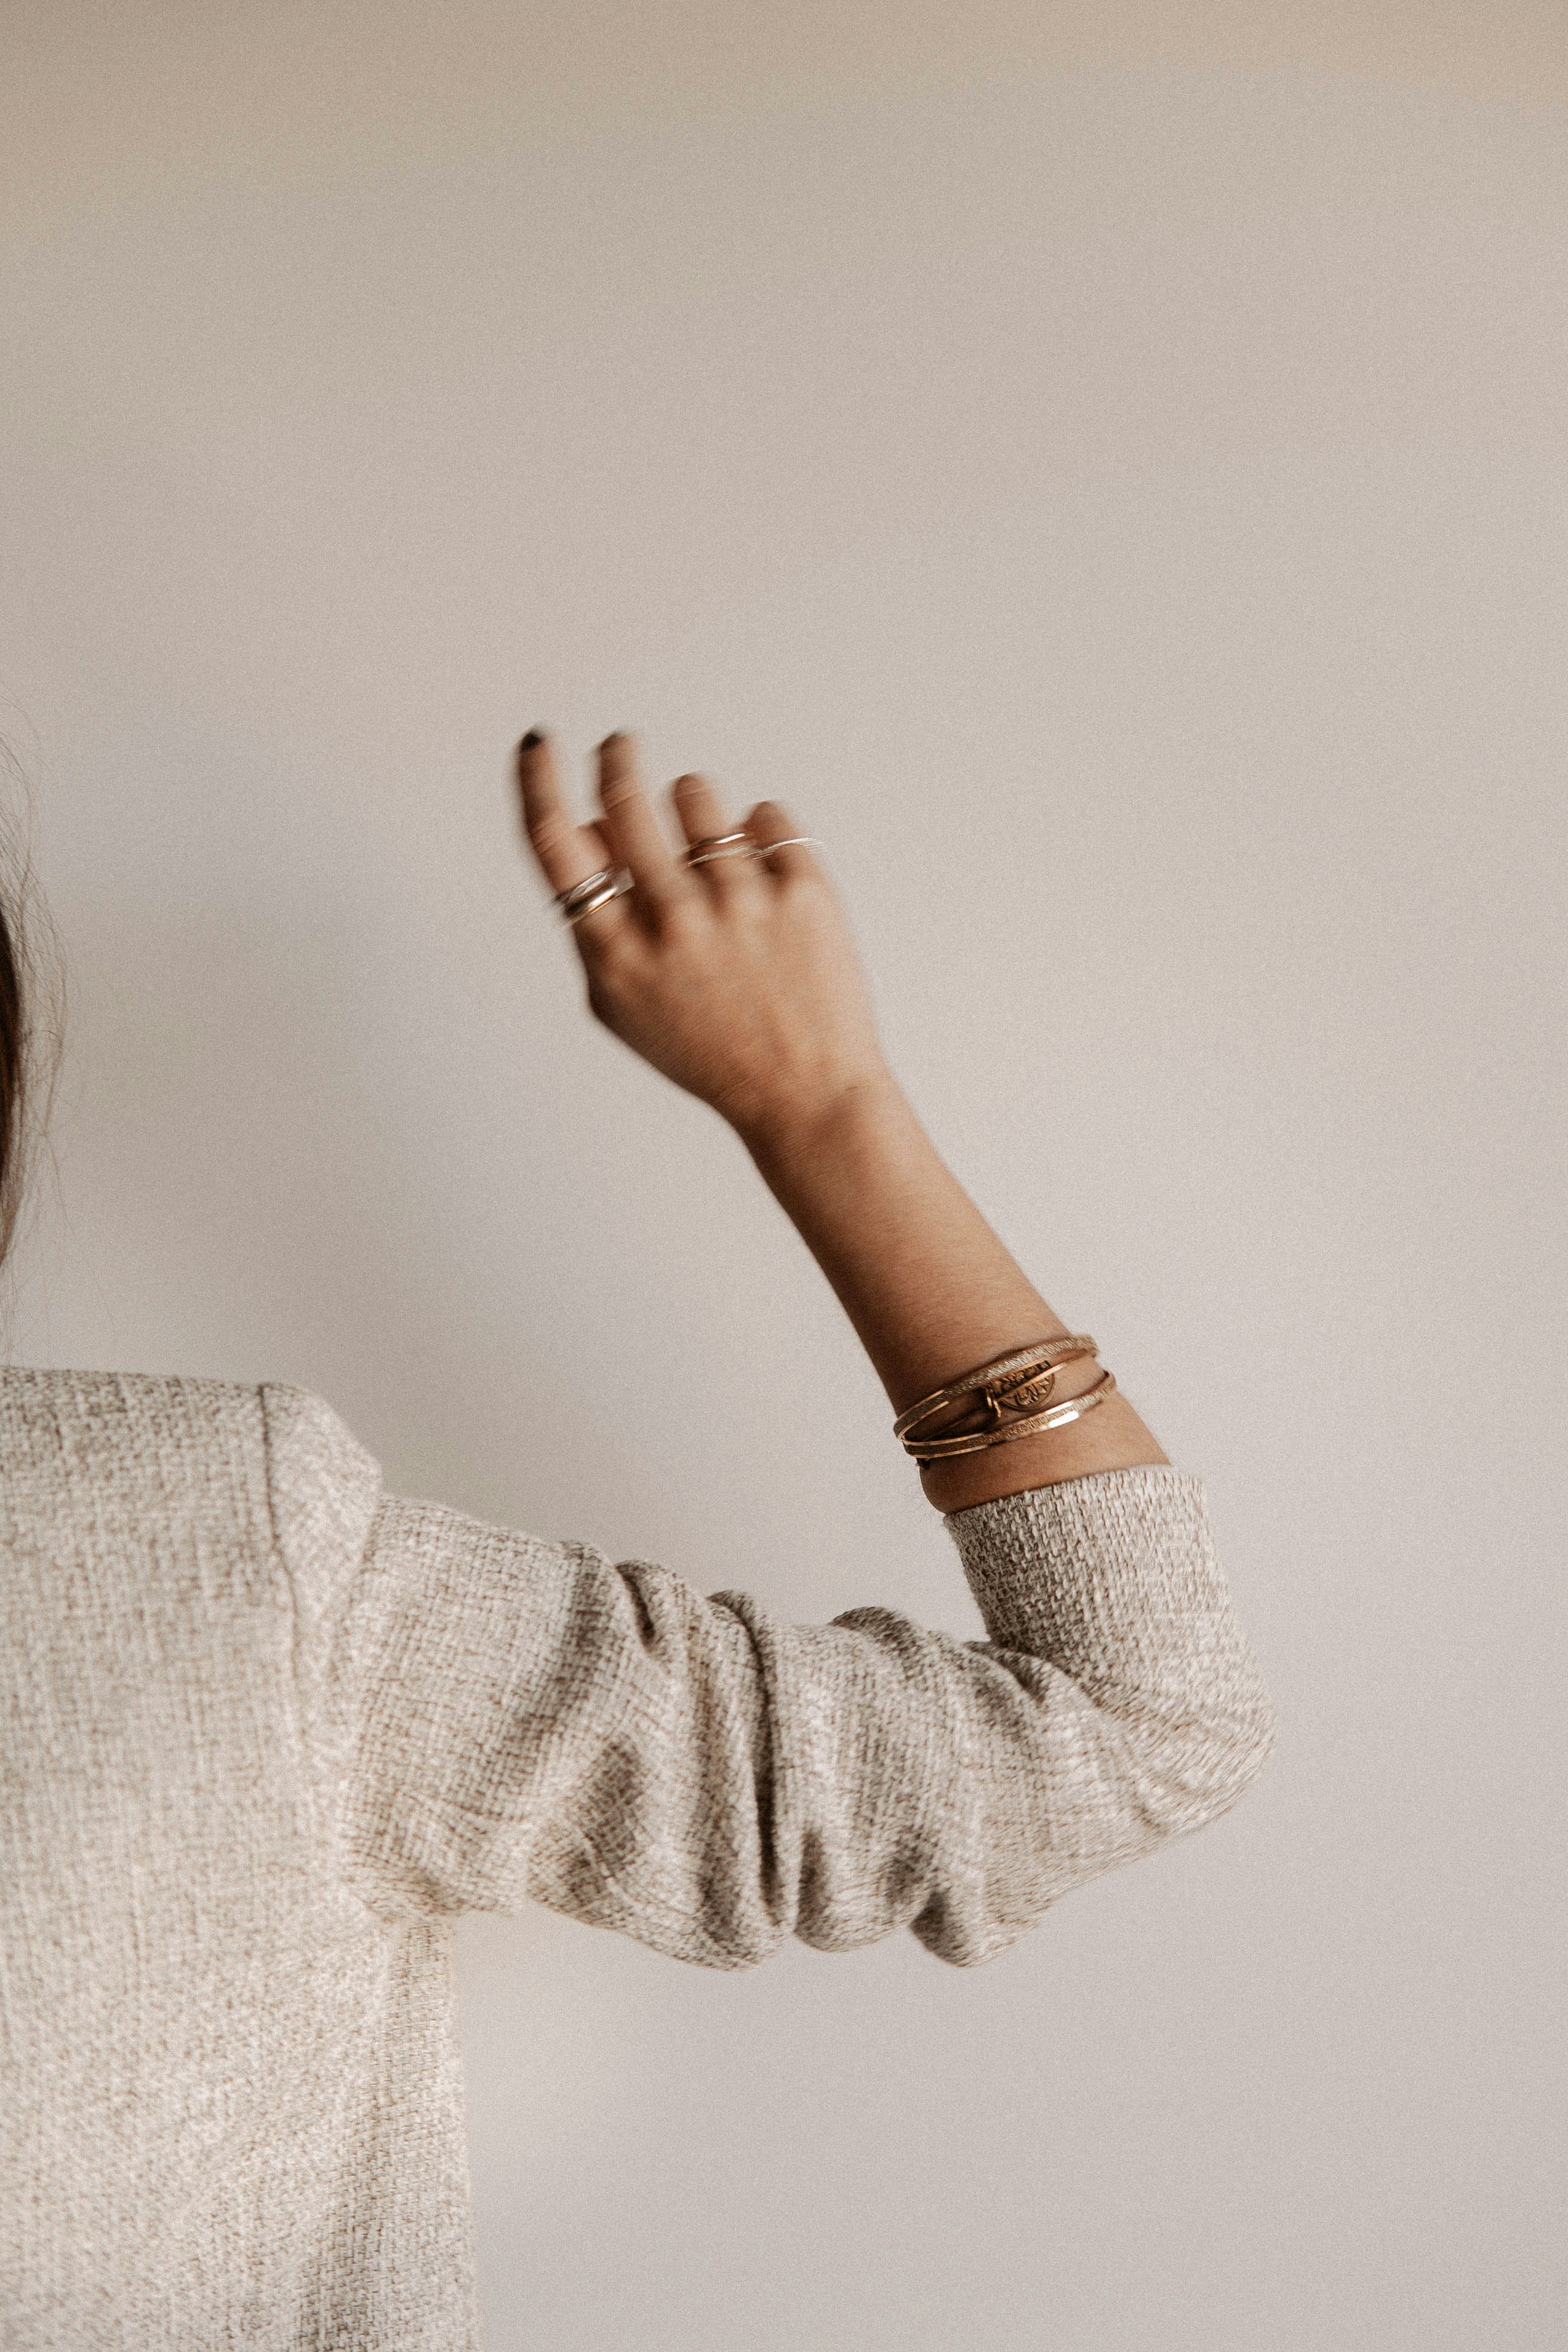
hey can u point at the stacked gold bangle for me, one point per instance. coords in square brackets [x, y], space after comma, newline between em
[1010, 1390]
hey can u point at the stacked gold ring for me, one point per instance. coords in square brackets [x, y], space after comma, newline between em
[593, 890]
[720, 844]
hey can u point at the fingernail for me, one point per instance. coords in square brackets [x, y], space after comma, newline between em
[618, 737]
[533, 739]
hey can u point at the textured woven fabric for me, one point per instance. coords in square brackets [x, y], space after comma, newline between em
[267, 1731]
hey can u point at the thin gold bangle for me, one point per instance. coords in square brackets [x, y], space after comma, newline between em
[1044, 1351]
[1026, 1391]
[934, 1449]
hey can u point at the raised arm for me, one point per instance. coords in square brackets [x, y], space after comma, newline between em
[534, 1721]
[737, 978]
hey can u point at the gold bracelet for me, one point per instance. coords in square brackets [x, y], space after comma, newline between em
[1026, 1391]
[936, 1449]
[996, 1383]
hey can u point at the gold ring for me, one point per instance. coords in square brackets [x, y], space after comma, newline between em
[593, 890]
[720, 844]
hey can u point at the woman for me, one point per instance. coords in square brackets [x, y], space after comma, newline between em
[267, 1729]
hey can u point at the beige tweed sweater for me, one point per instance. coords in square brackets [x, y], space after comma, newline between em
[266, 1731]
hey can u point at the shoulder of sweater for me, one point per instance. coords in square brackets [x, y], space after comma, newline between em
[325, 1486]
[308, 1448]
[109, 1390]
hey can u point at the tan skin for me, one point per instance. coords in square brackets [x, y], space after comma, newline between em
[738, 981]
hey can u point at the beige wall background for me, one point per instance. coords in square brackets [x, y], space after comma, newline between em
[1104, 468]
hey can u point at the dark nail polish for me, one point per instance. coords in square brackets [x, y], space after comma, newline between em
[533, 739]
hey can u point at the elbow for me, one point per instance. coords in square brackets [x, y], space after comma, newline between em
[1211, 1765]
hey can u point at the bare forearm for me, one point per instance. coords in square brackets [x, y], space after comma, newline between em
[930, 1287]
[737, 978]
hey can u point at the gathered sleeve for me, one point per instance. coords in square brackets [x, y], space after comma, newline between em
[523, 1721]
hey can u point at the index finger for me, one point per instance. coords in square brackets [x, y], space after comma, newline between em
[566, 853]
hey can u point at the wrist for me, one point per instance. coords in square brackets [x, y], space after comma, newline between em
[1111, 1437]
[801, 1129]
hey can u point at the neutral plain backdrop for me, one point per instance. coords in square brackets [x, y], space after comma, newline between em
[1104, 468]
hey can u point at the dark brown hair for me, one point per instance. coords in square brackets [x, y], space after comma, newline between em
[32, 1018]
[13, 1077]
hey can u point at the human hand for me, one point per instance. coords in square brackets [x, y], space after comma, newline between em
[737, 979]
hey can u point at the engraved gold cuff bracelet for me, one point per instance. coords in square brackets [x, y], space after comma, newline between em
[1010, 1390]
